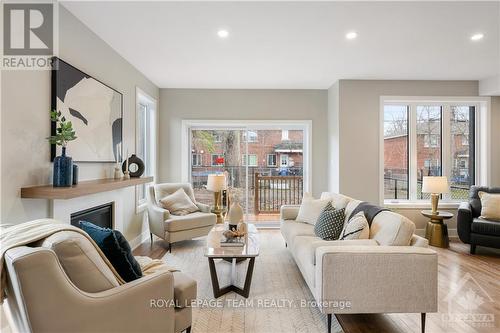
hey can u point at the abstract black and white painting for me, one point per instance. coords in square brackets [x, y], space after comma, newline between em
[94, 109]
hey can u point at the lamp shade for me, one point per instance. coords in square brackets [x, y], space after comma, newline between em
[216, 182]
[435, 185]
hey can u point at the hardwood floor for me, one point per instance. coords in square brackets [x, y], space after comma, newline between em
[474, 278]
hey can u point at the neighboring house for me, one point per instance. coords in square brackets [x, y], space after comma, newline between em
[428, 155]
[267, 150]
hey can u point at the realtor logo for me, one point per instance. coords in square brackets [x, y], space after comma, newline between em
[28, 29]
[465, 302]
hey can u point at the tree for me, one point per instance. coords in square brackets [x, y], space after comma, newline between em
[232, 160]
[230, 141]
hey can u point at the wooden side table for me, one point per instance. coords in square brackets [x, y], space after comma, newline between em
[436, 230]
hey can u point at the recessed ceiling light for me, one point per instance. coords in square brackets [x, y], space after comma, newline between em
[477, 36]
[223, 33]
[351, 35]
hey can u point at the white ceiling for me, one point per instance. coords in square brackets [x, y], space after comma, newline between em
[297, 44]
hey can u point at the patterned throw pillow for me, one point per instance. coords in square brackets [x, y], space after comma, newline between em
[356, 228]
[330, 223]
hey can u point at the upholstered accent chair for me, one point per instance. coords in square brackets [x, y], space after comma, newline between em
[62, 284]
[471, 228]
[176, 228]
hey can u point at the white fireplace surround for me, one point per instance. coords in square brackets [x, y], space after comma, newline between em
[62, 209]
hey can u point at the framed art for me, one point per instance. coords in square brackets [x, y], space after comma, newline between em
[94, 109]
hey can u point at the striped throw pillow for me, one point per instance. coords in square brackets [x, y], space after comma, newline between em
[356, 228]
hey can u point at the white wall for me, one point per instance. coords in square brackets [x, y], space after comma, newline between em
[179, 104]
[495, 141]
[358, 131]
[333, 138]
[25, 122]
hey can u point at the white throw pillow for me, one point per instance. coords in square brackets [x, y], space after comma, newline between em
[179, 203]
[490, 205]
[311, 209]
[338, 200]
[356, 228]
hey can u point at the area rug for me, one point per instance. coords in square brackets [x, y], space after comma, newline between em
[279, 300]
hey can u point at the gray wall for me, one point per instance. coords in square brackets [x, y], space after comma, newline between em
[25, 121]
[207, 104]
[355, 142]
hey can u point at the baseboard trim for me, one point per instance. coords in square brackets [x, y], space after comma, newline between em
[134, 243]
[452, 233]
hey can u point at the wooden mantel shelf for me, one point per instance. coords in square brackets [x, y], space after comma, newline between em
[83, 188]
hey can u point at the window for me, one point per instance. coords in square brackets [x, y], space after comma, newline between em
[462, 150]
[428, 139]
[217, 137]
[250, 136]
[196, 160]
[197, 138]
[146, 139]
[271, 160]
[428, 150]
[217, 159]
[396, 152]
[431, 140]
[250, 160]
[284, 135]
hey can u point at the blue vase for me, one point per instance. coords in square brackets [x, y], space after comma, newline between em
[63, 170]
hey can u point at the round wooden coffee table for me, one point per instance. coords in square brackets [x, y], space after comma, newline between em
[436, 230]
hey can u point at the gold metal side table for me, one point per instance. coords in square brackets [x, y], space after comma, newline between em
[220, 213]
[437, 231]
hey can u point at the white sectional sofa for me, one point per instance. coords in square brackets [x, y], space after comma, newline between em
[391, 272]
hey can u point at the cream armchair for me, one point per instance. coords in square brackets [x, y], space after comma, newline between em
[63, 285]
[175, 228]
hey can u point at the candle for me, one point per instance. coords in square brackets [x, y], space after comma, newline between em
[126, 161]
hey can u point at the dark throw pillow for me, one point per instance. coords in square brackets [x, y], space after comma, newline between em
[116, 248]
[330, 223]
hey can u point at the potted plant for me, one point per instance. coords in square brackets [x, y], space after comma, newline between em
[63, 165]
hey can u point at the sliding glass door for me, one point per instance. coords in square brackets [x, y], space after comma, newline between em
[264, 165]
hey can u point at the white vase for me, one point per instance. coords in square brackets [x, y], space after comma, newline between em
[235, 214]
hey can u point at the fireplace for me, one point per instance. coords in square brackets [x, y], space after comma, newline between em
[100, 215]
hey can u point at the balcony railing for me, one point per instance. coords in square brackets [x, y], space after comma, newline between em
[268, 187]
[272, 192]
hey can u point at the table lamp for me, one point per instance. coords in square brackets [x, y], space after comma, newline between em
[435, 185]
[216, 183]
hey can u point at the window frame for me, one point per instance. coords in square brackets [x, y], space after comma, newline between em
[245, 159]
[217, 137]
[199, 158]
[275, 160]
[247, 138]
[144, 99]
[481, 144]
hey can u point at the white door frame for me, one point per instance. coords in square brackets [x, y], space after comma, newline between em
[305, 125]
[141, 97]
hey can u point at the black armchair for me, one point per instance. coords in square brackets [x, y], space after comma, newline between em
[473, 230]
